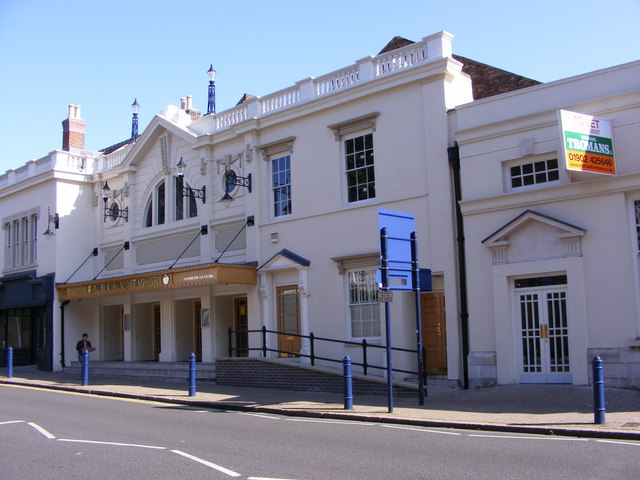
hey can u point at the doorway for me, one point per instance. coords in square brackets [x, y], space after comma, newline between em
[17, 330]
[157, 332]
[541, 314]
[434, 336]
[197, 330]
[112, 333]
[241, 327]
[288, 313]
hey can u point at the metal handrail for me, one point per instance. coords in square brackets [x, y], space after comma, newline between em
[312, 356]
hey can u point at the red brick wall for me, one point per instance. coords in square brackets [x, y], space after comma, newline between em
[72, 134]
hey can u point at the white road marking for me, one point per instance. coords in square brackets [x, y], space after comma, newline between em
[42, 431]
[635, 444]
[261, 415]
[226, 471]
[415, 429]
[117, 444]
[9, 422]
[518, 437]
[338, 422]
[268, 478]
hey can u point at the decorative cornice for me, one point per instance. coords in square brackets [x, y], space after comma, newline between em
[364, 122]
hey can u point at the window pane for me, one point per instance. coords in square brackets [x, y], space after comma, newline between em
[34, 239]
[179, 203]
[281, 185]
[160, 191]
[193, 206]
[364, 308]
[149, 216]
[534, 173]
[359, 163]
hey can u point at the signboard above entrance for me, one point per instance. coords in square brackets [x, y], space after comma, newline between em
[587, 143]
[210, 274]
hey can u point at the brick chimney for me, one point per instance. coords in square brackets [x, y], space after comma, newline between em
[73, 130]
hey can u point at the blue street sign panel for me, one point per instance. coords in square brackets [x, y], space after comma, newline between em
[425, 280]
[400, 226]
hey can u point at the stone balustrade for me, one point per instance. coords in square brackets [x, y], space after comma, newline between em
[365, 70]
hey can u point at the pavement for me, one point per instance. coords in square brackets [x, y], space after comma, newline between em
[541, 409]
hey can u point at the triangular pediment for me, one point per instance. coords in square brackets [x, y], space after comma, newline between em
[534, 236]
[158, 127]
[285, 259]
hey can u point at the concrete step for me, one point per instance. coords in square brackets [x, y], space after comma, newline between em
[148, 370]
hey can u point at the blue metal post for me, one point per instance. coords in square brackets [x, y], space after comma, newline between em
[264, 342]
[9, 362]
[192, 374]
[348, 388]
[415, 276]
[598, 391]
[84, 369]
[384, 271]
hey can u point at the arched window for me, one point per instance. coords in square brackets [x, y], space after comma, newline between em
[185, 205]
[155, 212]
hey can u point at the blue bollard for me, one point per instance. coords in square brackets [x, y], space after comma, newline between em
[9, 362]
[598, 391]
[348, 388]
[84, 369]
[192, 374]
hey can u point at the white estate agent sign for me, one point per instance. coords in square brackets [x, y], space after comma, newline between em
[587, 143]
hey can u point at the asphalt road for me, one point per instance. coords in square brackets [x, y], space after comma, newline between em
[48, 434]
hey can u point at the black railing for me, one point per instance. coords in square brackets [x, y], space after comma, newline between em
[312, 349]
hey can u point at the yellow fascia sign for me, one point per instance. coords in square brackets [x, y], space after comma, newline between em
[587, 143]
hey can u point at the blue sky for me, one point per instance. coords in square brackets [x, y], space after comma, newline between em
[103, 54]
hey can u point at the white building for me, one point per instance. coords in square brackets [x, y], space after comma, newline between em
[296, 248]
[551, 253]
[298, 251]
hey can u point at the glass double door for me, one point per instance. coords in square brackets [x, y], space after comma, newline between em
[25, 331]
[543, 334]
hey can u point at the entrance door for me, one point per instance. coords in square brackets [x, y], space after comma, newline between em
[288, 321]
[241, 325]
[17, 331]
[197, 330]
[544, 335]
[157, 329]
[434, 338]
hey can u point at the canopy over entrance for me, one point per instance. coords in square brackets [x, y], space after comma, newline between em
[209, 274]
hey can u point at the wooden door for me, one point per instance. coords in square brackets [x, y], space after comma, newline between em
[241, 325]
[288, 321]
[434, 336]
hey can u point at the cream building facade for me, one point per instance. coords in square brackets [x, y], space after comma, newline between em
[552, 253]
[163, 267]
[272, 223]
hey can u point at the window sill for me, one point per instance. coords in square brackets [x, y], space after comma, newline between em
[370, 342]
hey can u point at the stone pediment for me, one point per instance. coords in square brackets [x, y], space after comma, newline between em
[285, 259]
[159, 129]
[533, 236]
